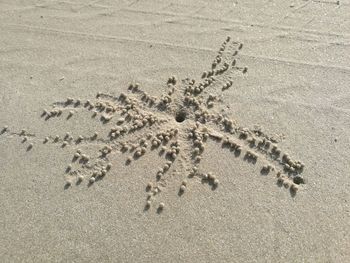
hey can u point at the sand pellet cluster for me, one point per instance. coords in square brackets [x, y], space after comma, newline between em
[177, 124]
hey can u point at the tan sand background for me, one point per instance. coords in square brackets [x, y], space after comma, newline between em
[298, 85]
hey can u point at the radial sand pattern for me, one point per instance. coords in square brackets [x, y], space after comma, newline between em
[177, 125]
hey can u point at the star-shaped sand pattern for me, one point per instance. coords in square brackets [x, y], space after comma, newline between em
[177, 125]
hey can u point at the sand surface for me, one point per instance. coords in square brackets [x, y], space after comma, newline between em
[110, 152]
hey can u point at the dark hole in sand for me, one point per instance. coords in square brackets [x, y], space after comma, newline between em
[180, 116]
[298, 180]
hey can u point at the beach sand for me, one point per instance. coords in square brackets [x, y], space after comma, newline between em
[174, 131]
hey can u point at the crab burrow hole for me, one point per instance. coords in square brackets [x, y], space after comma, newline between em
[180, 116]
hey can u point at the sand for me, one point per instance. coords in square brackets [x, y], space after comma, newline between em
[186, 131]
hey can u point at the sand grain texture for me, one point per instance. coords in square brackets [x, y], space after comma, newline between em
[97, 97]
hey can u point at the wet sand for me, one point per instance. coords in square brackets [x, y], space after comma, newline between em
[157, 131]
